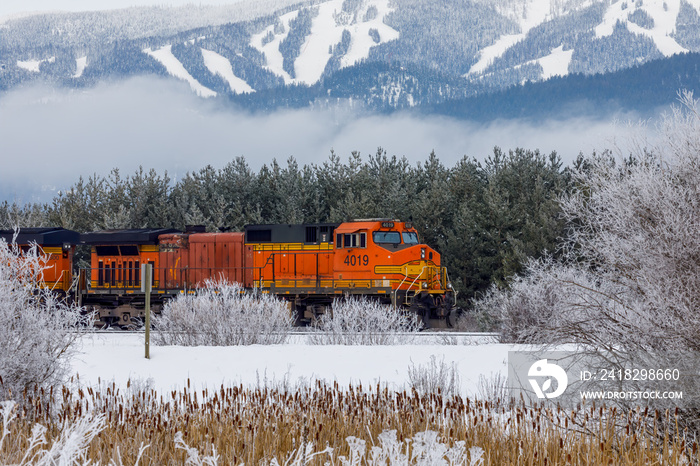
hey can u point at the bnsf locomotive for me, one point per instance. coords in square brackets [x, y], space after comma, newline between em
[307, 265]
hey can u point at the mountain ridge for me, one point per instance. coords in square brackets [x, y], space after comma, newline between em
[469, 48]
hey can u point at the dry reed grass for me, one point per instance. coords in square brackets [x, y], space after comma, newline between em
[257, 426]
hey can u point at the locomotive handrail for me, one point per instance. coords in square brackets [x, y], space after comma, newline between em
[160, 280]
[447, 281]
[417, 277]
[398, 288]
[396, 292]
[271, 258]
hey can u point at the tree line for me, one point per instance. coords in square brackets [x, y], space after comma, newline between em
[484, 217]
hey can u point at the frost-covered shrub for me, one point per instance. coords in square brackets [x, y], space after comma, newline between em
[193, 456]
[630, 272]
[435, 377]
[223, 314]
[37, 328]
[363, 322]
[628, 286]
[551, 302]
[425, 448]
[493, 389]
[69, 448]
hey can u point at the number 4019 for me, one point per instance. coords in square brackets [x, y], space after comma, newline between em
[353, 260]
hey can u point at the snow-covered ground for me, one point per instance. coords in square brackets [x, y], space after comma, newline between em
[120, 357]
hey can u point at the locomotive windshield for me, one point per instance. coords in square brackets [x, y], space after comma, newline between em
[386, 237]
[410, 237]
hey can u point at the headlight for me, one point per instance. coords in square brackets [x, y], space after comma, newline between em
[425, 285]
[422, 253]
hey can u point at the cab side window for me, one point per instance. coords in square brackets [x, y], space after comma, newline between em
[351, 240]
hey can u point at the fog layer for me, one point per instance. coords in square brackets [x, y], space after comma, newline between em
[49, 137]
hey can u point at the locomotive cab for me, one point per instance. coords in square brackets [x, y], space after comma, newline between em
[386, 257]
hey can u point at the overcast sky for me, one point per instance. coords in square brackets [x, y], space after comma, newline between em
[12, 7]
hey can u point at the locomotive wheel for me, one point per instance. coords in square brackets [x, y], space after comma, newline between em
[108, 322]
[299, 320]
[421, 306]
[451, 318]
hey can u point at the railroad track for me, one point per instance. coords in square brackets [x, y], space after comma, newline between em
[440, 333]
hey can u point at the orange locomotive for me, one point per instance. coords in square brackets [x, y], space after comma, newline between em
[380, 258]
[308, 265]
[57, 245]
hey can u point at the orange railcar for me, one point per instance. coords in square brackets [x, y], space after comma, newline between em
[112, 284]
[188, 260]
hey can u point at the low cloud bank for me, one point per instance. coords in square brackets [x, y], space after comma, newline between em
[49, 137]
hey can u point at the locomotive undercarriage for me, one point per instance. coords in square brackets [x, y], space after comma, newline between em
[116, 311]
[309, 308]
[127, 311]
[432, 310]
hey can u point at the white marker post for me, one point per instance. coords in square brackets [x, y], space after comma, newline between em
[146, 274]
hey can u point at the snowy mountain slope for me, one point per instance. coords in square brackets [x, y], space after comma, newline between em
[554, 64]
[34, 65]
[364, 28]
[80, 64]
[652, 19]
[430, 52]
[659, 22]
[165, 56]
[526, 14]
[221, 66]
[82, 28]
[268, 43]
